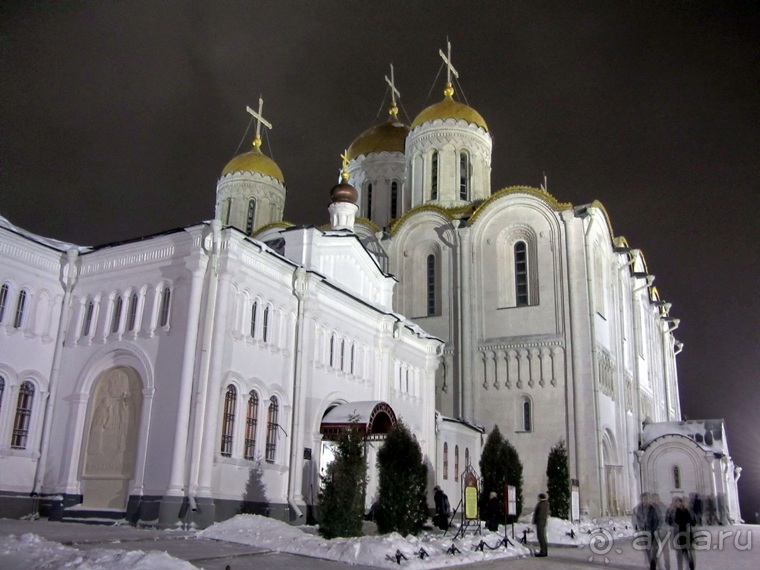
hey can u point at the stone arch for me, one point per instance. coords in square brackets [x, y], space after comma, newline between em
[110, 451]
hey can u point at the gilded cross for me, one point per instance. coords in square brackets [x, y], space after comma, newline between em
[447, 60]
[394, 92]
[259, 120]
[344, 172]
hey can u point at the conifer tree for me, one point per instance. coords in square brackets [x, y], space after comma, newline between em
[341, 503]
[402, 492]
[558, 481]
[499, 466]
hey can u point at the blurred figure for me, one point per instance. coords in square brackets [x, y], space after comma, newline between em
[710, 510]
[683, 521]
[696, 508]
[662, 533]
[493, 512]
[646, 522]
[540, 518]
[442, 508]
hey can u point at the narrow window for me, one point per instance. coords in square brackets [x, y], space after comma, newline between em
[265, 331]
[249, 217]
[19, 438]
[466, 457]
[434, 176]
[332, 351]
[521, 274]
[353, 351]
[369, 201]
[676, 477]
[166, 298]
[526, 415]
[342, 354]
[272, 429]
[2, 391]
[228, 420]
[254, 315]
[445, 460]
[431, 284]
[3, 300]
[228, 211]
[407, 381]
[456, 463]
[251, 421]
[89, 308]
[19, 320]
[116, 316]
[464, 176]
[132, 317]
[394, 199]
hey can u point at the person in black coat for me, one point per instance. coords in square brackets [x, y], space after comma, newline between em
[540, 519]
[442, 509]
[493, 512]
[646, 521]
[683, 521]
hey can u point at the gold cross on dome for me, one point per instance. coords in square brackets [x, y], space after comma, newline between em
[447, 60]
[394, 92]
[344, 172]
[259, 120]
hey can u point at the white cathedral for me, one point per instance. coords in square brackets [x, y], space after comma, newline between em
[181, 378]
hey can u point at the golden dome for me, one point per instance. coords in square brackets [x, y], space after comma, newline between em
[389, 136]
[450, 109]
[254, 161]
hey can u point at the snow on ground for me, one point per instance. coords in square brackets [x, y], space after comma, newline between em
[32, 552]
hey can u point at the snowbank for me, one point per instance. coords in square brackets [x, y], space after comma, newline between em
[32, 552]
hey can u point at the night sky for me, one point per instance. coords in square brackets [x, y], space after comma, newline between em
[116, 119]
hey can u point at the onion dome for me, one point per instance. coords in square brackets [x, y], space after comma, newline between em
[254, 161]
[389, 136]
[450, 109]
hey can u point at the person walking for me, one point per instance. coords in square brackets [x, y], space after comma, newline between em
[493, 512]
[662, 532]
[645, 523]
[442, 508]
[683, 521]
[540, 518]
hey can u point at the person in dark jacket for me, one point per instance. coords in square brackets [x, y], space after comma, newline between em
[540, 518]
[493, 512]
[442, 509]
[645, 523]
[683, 521]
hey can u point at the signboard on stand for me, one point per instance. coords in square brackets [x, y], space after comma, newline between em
[470, 496]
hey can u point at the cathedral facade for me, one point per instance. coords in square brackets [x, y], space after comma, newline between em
[181, 378]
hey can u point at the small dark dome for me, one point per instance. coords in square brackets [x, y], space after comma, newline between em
[344, 192]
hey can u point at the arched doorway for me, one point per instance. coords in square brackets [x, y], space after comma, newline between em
[612, 475]
[111, 435]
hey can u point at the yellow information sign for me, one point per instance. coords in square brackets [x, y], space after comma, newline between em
[471, 503]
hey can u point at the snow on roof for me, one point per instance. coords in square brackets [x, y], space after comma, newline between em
[48, 242]
[708, 434]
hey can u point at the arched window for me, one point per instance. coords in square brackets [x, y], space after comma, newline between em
[369, 201]
[676, 477]
[464, 176]
[251, 421]
[332, 351]
[249, 217]
[166, 299]
[116, 316]
[2, 391]
[265, 331]
[342, 354]
[3, 300]
[272, 429]
[254, 316]
[132, 316]
[526, 415]
[89, 309]
[521, 274]
[353, 351]
[466, 457]
[20, 436]
[431, 285]
[19, 320]
[445, 460]
[228, 420]
[456, 463]
[227, 211]
[434, 176]
[407, 381]
[394, 199]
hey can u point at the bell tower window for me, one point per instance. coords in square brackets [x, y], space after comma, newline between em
[369, 201]
[249, 217]
[464, 176]
[394, 199]
[434, 176]
[521, 273]
[431, 285]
